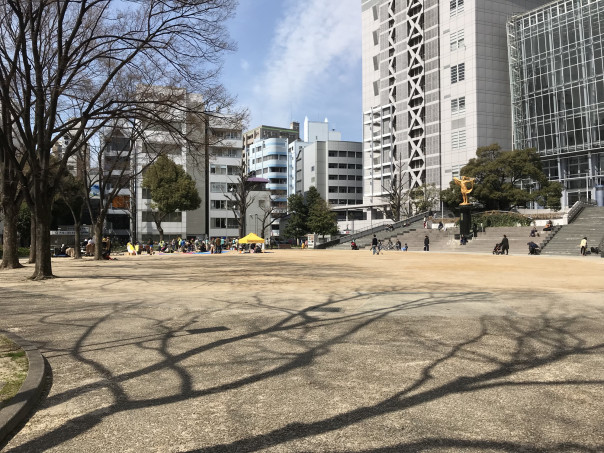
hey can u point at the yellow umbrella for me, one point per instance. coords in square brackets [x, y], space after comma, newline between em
[251, 239]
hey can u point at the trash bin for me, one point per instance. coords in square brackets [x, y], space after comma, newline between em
[600, 195]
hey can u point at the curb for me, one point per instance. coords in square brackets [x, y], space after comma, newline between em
[28, 395]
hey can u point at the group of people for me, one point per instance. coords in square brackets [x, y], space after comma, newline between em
[190, 245]
[377, 246]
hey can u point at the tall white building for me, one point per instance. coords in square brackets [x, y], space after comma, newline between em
[435, 88]
[269, 159]
[335, 168]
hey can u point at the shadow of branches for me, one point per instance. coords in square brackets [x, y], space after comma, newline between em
[500, 354]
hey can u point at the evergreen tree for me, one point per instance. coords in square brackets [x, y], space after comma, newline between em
[298, 215]
[172, 189]
[321, 220]
[505, 179]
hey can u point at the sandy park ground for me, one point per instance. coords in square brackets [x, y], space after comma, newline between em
[315, 351]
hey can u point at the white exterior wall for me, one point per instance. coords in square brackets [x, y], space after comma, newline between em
[412, 114]
[295, 174]
[317, 131]
[487, 118]
[270, 160]
[218, 164]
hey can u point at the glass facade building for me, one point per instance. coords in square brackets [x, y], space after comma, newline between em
[557, 85]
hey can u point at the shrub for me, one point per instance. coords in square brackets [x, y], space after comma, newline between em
[501, 219]
[23, 252]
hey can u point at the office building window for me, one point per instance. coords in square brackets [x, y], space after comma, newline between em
[457, 40]
[217, 222]
[456, 7]
[458, 105]
[218, 204]
[458, 73]
[218, 187]
[458, 139]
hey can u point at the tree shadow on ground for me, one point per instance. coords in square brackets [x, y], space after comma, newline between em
[534, 343]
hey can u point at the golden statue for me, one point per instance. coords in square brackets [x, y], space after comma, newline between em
[465, 190]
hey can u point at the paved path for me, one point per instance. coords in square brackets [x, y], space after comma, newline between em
[315, 351]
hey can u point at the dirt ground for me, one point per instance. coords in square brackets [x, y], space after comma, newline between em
[312, 271]
[311, 350]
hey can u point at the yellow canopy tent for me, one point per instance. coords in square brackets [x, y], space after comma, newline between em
[251, 239]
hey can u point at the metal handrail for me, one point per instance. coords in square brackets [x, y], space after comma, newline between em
[371, 230]
[574, 211]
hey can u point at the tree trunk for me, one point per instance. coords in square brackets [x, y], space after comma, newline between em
[77, 251]
[32, 242]
[160, 230]
[242, 214]
[98, 238]
[42, 212]
[10, 249]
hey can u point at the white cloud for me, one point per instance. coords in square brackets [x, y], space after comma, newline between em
[316, 42]
[245, 65]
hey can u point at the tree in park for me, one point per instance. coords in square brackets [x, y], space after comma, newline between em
[12, 194]
[309, 213]
[73, 193]
[396, 201]
[239, 196]
[75, 67]
[172, 189]
[424, 198]
[320, 219]
[270, 214]
[298, 216]
[505, 179]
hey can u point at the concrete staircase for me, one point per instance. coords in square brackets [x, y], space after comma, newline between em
[444, 241]
[589, 223]
[517, 238]
[384, 235]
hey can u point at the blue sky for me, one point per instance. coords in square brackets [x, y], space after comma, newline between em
[296, 59]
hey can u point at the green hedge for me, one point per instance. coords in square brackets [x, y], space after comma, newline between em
[23, 252]
[501, 219]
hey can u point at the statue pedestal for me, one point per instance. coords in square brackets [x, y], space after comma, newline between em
[465, 220]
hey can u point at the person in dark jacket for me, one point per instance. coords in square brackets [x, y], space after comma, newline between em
[426, 243]
[374, 245]
[505, 245]
[533, 248]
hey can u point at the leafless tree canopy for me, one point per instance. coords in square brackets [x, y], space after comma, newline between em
[73, 67]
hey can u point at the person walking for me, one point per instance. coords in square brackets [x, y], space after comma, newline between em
[505, 245]
[426, 243]
[374, 245]
[584, 246]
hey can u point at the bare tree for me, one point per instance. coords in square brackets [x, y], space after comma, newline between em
[239, 196]
[270, 214]
[11, 196]
[396, 201]
[73, 193]
[73, 67]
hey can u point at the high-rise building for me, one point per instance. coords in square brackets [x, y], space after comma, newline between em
[335, 168]
[435, 88]
[263, 132]
[557, 83]
[268, 158]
